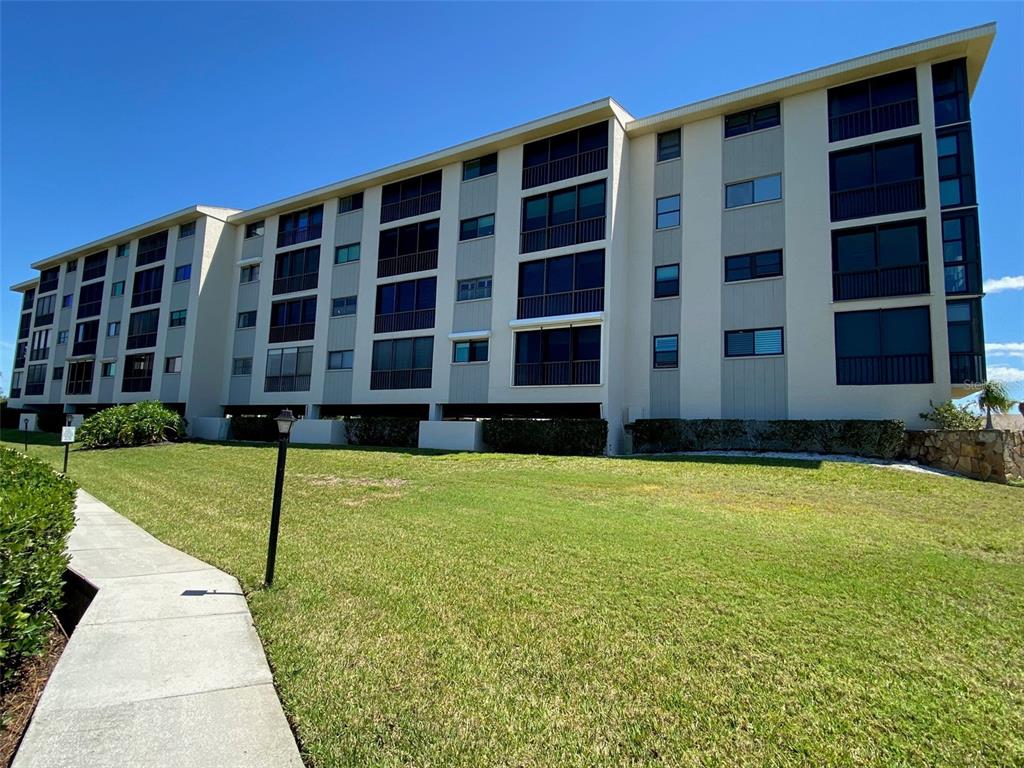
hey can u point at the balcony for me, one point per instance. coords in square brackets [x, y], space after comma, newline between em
[410, 262]
[144, 298]
[137, 383]
[885, 117]
[561, 373]
[39, 354]
[19, 361]
[286, 237]
[889, 281]
[414, 206]
[884, 369]
[34, 388]
[559, 235]
[567, 303]
[297, 332]
[81, 386]
[878, 199]
[298, 383]
[15, 393]
[140, 340]
[42, 320]
[565, 168]
[84, 347]
[967, 368]
[304, 282]
[403, 378]
[94, 271]
[413, 320]
[48, 285]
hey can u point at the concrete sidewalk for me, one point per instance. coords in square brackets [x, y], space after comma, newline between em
[165, 668]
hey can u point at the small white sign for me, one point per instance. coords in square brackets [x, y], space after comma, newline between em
[67, 434]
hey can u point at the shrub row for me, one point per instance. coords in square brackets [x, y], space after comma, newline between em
[258, 428]
[126, 425]
[560, 437]
[881, 439]
[384, 431]
[36, 516]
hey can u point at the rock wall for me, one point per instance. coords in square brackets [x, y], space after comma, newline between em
[988, 454]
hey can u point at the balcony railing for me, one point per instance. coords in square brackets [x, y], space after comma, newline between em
[92, 273]
[298, 383]
[885, 117]
[410, 262]
[967, 368]
[571, 233]
[35, 388]
[561, 373]
[142, 298]
[568, 303]
[405, 378]
[888, 281]
[878, 199]
[303, 282]
[414, 206]
[19, 362]
[137, 383]
[39, 354]
[82, 387]
[298, 332]
[412, 320]
[565, 168]
[86, 347]
[140, 340]
[884, 369]
[89, 309]
[42, 320]
[49, 285]
[287, 237]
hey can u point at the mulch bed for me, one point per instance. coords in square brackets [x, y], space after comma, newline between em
[18, 704]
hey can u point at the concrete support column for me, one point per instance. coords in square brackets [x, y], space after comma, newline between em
[312, 411]
[435, 412]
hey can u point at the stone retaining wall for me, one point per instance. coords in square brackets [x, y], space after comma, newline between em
[994, 455]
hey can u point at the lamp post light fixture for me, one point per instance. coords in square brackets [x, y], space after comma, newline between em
[285, 419]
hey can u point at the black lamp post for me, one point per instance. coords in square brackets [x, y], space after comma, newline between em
[26, 435]
[284, 420]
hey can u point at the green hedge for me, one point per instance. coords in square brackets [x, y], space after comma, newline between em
[859, 437]
[258, 428]
[36, 516]
[127, 425]
[383, 431]
[561, 437]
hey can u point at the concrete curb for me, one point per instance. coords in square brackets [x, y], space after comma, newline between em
[164, 669]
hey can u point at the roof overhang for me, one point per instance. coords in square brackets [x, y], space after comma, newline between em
[25, 285]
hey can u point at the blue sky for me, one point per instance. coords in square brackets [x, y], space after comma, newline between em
[113, 114]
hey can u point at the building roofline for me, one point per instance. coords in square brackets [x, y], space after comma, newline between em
[973, 43]
[24, 285]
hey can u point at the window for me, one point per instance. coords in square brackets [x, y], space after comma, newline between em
[297, 270]
[343, 306]
[563, 285]
[58, 372]
[411, 197]
[472, 351]
[123, 250]
[90, 300]
[40, 345]
[79, 378]
[108, 370]
[870, 106]
[666, 351]
[956, 167]
[182, 273]
[669, 145]
[246, 319]
[883, 260]
[44, 309]
[474, 288]
[28, 299]
[147, 287]
[24, 325]
[172, 365]
[411, 248]
[67, 300]
[876, 179]
[480, 226]
[480, 166]
[558, 356]
[288, 369]
[151, 248]
[340, 360]
[95, 266]
[667, 212]
[402, 363]
[117, 288]
[949, 88]
[760, 190]
[254, 229]
[143, 328]
[753, 342]
[350, 203]
[346, 253]
[48, 280]
[752, 120]
[405, 306]
[573, 153]
[300, 226]
[186, 230]
[293, 320]
[961, 254]
[138, 373]
[177, 318]
[62, 337]
[889, 346]
[20, 352]
[749, 266]
[666, 281]
[564, 217]
[85, 338]
[71, 266]
[249, 274]
[241, 366]
[966, 341]
[35, 379]
[113, 329]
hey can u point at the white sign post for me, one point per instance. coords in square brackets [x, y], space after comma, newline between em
[67, 436]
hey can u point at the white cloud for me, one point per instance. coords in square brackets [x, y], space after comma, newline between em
[1005, 349]
[1005, 374]
[1009, 283]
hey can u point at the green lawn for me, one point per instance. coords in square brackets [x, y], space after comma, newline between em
[484, 610]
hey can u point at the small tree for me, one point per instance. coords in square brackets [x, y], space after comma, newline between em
[994, 397]
[949, 415]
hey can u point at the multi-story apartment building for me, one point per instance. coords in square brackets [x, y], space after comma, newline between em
[805, 248]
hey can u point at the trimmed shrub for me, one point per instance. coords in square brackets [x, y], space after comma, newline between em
[859, 437]
[36, 516]
[257, 428]
[558, 437]
[383, 431]
[128, 425]
[948, 415]
[8, 416]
